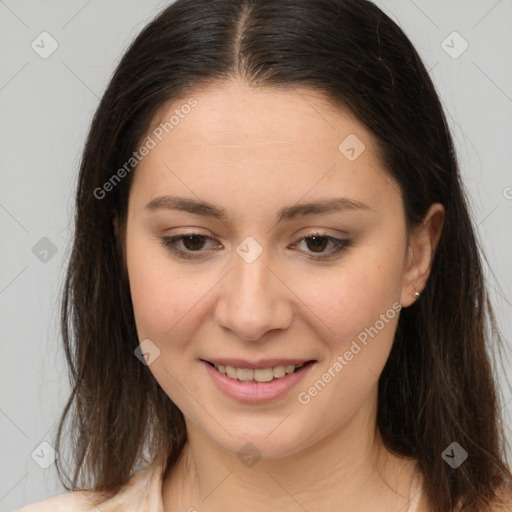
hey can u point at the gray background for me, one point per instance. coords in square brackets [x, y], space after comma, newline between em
[45, 109]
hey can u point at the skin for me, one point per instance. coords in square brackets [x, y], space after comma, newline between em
[252, 152]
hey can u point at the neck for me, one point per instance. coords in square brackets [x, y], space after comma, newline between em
[349, 470]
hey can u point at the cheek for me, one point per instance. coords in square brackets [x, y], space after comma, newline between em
[162, 296]
[357, 307]
[358, 316]
[356, 295]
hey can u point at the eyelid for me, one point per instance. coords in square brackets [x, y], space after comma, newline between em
[340, 245]
[169, 242]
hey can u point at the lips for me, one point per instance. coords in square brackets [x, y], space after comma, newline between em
[262, 386]
[260, 364]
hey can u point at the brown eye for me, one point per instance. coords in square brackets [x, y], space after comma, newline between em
[194, 242]
[190, 246]
[317, 243]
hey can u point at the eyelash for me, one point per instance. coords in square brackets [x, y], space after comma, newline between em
[169, 242]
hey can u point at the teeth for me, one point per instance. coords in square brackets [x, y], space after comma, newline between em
[231, 372]
[258, 375]
[278, 372]
[244, 374]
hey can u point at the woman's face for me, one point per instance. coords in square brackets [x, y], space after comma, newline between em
[251, 286]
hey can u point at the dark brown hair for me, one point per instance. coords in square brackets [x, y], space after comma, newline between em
[437, 386]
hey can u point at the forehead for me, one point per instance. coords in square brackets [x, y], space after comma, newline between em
[233, 113]
[279, 144]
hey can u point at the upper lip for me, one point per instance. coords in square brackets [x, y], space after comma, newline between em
[261, 363]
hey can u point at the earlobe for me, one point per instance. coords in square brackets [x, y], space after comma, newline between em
[420, 254]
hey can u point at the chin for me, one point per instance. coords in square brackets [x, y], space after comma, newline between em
[266, 438]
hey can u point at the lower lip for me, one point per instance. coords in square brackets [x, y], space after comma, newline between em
[257, 392]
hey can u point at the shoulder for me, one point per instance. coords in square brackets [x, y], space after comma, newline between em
[75, 501]
[503, 499]
[143, 487]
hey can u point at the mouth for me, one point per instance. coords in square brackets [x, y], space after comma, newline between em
[259, 375]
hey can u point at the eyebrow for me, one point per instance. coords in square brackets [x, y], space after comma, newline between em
[288, 213]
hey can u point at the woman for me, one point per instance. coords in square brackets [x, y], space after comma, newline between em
[275, 298]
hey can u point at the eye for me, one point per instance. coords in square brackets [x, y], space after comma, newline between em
[318, 241]
[193, 244]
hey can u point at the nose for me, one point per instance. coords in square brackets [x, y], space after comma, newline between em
[253, 300]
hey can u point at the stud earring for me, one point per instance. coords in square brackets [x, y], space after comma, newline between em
[416, 294]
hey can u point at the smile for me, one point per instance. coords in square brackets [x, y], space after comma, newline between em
[257, 375]
[257, 385]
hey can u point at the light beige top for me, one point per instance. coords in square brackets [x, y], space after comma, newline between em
[143, 493]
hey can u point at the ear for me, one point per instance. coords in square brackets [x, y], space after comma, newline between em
[421, 250]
